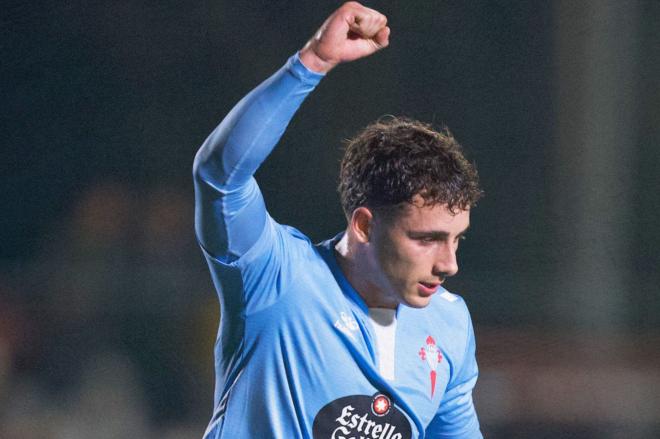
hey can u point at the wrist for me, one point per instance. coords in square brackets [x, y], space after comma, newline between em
[314, 62]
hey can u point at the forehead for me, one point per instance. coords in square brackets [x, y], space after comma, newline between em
[432, 217]
[417, 216]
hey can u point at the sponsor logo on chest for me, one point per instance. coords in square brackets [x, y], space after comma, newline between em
[361, 417]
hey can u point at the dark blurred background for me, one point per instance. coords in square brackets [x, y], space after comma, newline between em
[107, 312]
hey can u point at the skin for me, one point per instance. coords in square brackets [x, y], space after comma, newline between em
[351, 32]
[404, 259]
[389, 261]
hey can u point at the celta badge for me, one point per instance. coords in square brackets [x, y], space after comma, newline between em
[431, 354]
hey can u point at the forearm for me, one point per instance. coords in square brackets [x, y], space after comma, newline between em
[245, 137]
[230, 156]
[229, 209]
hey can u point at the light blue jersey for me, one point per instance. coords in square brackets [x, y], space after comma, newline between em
[296, 353]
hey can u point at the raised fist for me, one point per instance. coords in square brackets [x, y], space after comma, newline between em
[351, 32]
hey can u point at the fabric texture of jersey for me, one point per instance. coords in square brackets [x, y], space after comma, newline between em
[296, 354]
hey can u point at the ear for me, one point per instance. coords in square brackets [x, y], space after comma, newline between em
[361, 224]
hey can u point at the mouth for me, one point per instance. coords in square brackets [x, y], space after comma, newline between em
[427, 288]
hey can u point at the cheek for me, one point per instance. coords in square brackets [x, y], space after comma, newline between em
[418, 260]
[401, 261]
[390, 259]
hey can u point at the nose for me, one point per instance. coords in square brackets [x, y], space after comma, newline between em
[446, 264]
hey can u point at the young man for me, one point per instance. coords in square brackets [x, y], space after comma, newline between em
[354, 337]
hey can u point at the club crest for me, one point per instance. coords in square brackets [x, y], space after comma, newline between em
[432, 356]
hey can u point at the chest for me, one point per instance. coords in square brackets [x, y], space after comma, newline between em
[338, 351]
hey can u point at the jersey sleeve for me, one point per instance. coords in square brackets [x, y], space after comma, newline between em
[230, 213]
[456, 417]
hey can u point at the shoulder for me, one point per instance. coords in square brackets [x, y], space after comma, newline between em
[275, 247]
[450, 307]
[449, 313]
[294, 243]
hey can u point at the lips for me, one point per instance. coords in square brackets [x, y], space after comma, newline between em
[428, 288]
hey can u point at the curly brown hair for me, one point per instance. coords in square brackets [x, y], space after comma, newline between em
[394, 159]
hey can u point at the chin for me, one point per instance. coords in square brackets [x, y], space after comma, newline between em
[416, 302]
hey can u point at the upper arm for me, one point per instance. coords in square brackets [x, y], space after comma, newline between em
[230, 213]
[228, 223]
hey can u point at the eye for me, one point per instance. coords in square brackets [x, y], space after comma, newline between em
[425, 239]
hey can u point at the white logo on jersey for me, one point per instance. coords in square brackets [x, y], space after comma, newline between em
[347, 324]
[449, 297]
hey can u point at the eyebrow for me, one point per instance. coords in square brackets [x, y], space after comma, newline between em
[435, 234]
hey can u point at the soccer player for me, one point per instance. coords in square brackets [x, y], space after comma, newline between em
[354, 337]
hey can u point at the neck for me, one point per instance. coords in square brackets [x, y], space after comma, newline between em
[355, 264]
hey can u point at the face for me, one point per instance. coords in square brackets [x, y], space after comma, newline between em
[414, 252]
